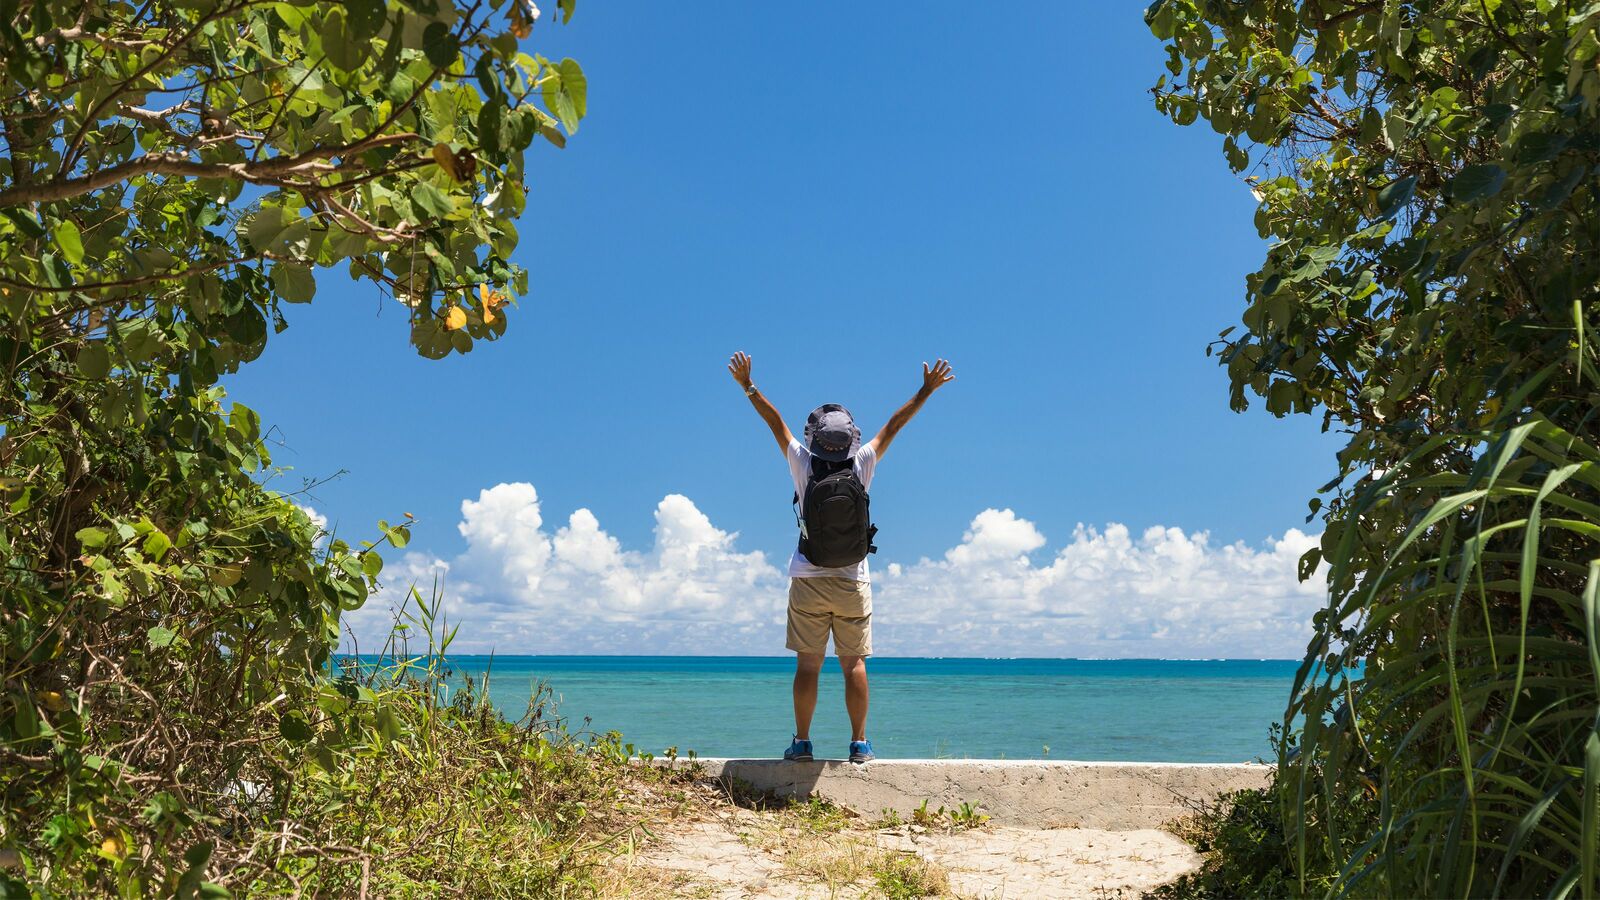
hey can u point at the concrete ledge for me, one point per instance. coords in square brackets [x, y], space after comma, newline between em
[1113, 796]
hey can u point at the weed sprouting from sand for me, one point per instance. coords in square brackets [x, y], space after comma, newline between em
[961, 817]
[907, 876]
[820, 815]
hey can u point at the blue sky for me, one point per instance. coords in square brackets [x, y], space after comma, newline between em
[843, 192]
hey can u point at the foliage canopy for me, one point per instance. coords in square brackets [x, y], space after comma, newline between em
[1426, 175]
[175, 172]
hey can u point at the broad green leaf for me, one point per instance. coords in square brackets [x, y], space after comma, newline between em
[294, 729]
[24, 221]
[388, 724]
[161, 637]
[431, 200]
[574, 85]
[440, 45]
[366, 18]
[156, 545]
[94, 360]
[342, 47]
[69, 241]
[92, 537]
[1395, 195]
[1477, 182]
[294, 282]
[265, 226]
[565, 93]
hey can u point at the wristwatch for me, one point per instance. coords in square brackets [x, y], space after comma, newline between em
[751, 390]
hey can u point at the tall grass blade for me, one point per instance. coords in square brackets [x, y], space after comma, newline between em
[1589, 846]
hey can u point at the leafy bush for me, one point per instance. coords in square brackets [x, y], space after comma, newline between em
[398, 781]
[174, 176]
[1426, 175]
[1242, 835]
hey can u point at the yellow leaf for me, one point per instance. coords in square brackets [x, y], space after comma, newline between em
[446, 160]
[490, 300]
[454, 318]
[114, 847]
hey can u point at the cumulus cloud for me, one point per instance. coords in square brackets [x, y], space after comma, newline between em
[1107, 593]
[523, 586]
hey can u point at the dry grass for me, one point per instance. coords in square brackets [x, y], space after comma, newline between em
[829, 846]
[815, 845]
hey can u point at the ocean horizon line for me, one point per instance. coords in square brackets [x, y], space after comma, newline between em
[874, 656]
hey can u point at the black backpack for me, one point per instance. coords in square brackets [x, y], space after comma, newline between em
[835, 521]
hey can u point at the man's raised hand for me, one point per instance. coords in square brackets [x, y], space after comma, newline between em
[932, 379]
[739, 368]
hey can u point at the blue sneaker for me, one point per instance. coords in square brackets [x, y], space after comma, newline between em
[799, 751]
[861, 751]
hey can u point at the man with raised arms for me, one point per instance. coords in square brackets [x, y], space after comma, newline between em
[829, 588]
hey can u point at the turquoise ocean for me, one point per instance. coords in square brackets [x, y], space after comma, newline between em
[1126, 709]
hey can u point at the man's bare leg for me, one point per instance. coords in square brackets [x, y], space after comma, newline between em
[807, 666]
[855, 694]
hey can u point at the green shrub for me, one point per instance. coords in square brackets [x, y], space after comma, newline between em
[1243, 839]
[1425, 180]
[167, 612]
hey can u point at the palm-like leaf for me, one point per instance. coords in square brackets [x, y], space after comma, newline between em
[1458, 673]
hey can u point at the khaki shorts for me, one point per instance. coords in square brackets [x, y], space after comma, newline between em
[818, 606]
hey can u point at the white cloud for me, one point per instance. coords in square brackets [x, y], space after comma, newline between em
[523, 587]
[1105, 594]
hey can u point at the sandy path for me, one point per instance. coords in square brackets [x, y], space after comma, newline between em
[734, 852]
[997, 862]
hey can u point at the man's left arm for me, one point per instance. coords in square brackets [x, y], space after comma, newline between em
[932, 379]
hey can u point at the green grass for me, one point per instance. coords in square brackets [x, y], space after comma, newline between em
[907, 878]
[459, 802]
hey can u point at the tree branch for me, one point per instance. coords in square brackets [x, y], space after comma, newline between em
[130, 282]
[268, 170]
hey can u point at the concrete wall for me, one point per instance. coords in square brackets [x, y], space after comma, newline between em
[1113, 796]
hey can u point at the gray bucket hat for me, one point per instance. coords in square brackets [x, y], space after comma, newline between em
[831, 433]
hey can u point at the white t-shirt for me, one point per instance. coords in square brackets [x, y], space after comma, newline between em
[866, 462]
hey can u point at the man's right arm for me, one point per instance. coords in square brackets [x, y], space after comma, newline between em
[739, 368]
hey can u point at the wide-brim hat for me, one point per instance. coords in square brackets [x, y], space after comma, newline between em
[831, 433]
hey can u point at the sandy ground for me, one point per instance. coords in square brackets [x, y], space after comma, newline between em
[726, 851]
